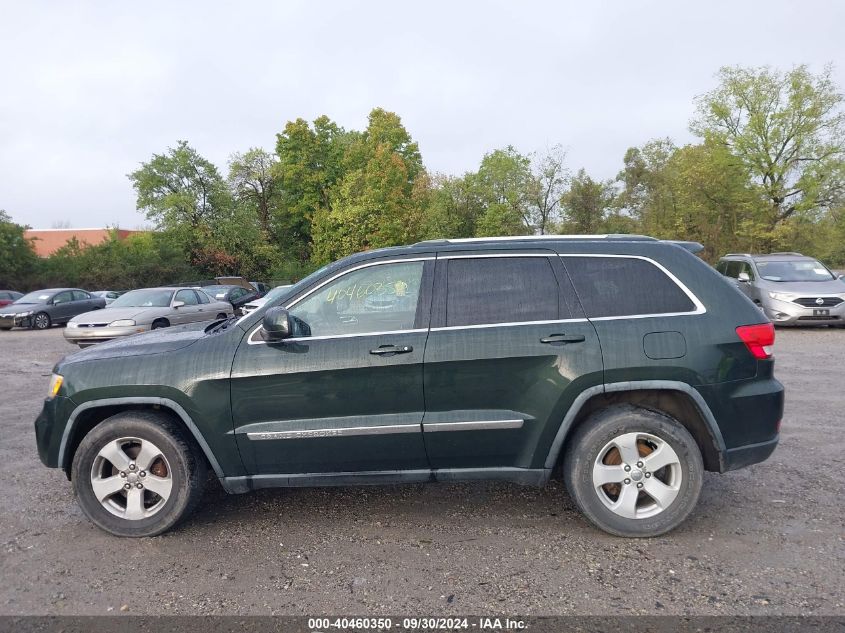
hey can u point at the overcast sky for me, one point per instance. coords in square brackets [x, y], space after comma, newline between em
[90, 90]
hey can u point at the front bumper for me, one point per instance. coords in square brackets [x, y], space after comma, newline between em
[790, 313]
[91, 335]
[49, 429]
[14, 320]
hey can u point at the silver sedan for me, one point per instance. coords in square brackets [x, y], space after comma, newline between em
[144, 310]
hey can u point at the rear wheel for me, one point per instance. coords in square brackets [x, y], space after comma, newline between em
[136, 474]
[633, 472]
[221, 316]
[41, 321]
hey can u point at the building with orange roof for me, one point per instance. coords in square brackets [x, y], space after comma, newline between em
[48, 241]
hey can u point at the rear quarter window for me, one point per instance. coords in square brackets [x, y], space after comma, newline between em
[625, 286]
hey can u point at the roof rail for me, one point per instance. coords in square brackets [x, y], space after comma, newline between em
[737, 255]
[530, 238]
[788, 253]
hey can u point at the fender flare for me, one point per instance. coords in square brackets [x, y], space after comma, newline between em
[166, 403]
[664, 385]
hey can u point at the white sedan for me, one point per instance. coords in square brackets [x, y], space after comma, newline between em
[275, 293]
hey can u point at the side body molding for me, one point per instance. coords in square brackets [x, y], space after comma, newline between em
[666, 385]
[166, 403]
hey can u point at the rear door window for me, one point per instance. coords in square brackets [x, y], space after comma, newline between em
[80, 295]
[490, 290]
[187, 296]
[625, 286]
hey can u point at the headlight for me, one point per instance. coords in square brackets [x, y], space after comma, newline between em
[72, 324]
[782, 296]
[24, 314]
[122, 323]
[55, 384]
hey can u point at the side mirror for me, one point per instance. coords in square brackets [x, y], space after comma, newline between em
[842, 276]
[744, 277]
[178, 304]
[277, 324]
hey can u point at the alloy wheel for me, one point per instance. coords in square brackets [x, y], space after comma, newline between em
[637, 475]
[131, 478]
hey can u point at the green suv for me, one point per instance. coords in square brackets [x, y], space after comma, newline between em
[624, 363]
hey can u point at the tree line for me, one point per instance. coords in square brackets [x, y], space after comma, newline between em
[766, 173]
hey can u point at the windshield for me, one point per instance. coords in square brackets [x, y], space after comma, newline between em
[275, 293]
[154, 298]
[794, 270]
[39, 296]
[216, 292]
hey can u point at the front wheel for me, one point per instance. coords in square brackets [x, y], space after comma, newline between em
[41, 321]
[137, 474]
[633, 472]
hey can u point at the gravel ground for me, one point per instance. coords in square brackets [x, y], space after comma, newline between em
[764, 540]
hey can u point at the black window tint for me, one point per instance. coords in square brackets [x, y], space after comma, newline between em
[623, 286]
[721, 266]
[500, 290]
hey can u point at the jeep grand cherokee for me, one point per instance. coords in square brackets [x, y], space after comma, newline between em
[623, 362]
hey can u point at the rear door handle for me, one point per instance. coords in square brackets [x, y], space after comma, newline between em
[563, 338]
[390, 350]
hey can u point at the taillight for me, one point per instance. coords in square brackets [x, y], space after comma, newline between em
[759, 339]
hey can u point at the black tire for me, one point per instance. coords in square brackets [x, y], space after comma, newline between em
[40, 321]
[160, 323]
[591, 440]
[187, 471]
[221, 316]
[5, 329]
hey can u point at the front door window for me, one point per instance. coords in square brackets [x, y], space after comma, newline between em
[381, 298]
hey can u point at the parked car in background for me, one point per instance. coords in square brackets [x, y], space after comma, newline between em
[789, 288]
[142, 310]
[108, 295]
[507, 359]
[275, 293]
[8, 296]
[43, 308]
[261, 288]
[238, 296]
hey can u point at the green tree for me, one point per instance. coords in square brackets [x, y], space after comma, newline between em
[183, 193]
[18, 261]
[256, 184]
[453, 208]
[503, 185]
[311, 164]
[788, 128]
[380, 200]
[546, 188]
[586, 204]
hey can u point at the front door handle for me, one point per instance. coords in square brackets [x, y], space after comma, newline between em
[390, 350]
[563, 338]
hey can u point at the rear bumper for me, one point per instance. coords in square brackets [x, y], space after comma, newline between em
[743, 456]
[748, 414]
